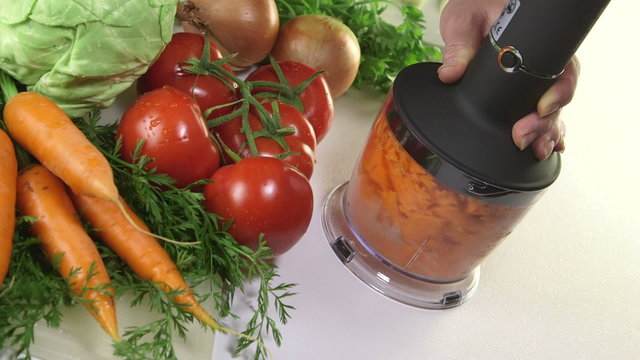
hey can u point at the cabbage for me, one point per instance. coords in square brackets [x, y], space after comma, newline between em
[82, 53]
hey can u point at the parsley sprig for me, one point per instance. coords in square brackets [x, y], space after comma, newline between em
[385, 48]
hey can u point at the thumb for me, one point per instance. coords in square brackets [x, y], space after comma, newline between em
[463, 26]
[455, 60]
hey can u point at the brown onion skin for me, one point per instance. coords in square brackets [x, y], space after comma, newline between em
[248, 28]
[323, 43]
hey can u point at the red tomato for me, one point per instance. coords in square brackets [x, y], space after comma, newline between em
[262, 195]
[175, 135]
[316, 98]
[303, 161]
[302, 141]
[208, 91]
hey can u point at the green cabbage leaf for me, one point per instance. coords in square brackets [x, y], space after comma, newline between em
[82, 53]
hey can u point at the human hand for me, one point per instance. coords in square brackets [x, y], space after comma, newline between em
[463, 25]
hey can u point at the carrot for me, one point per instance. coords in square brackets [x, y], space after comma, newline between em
[43, 196]
[144, 255]
[8, 176]
[45, 131]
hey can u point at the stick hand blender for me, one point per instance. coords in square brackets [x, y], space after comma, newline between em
[440, 183]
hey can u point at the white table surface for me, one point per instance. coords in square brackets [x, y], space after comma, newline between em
[564, 285]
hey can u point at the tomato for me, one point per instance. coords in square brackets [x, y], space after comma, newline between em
[302, 141]
[208, 91]
[175, 135]
[262, 195]
[316, 98]
[304, 160]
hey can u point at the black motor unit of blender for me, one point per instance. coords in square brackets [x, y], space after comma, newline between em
[469, 123]
[440, 182]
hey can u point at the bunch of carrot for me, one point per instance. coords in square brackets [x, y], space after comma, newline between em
[73, 175]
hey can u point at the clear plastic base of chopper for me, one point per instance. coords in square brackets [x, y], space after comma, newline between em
[379, 273]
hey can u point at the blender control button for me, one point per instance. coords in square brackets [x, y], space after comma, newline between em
[509, 59]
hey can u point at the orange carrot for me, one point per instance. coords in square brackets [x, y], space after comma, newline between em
[45, 131]
[8, 175]
[41, 127]
[144, 255]
[43, 196]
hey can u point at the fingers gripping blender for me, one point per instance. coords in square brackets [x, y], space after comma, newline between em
[440, 182]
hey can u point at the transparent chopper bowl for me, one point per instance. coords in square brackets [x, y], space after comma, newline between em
[380, 274]
[410, 225]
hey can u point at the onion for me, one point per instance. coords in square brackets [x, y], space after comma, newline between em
[247, 28]
[323, 43]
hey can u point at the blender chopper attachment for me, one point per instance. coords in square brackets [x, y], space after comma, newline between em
[440, 182]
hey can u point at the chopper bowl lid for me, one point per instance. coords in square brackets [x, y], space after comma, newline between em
[451, 127]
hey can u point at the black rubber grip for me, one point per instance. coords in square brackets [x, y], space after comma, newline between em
[546, 34]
